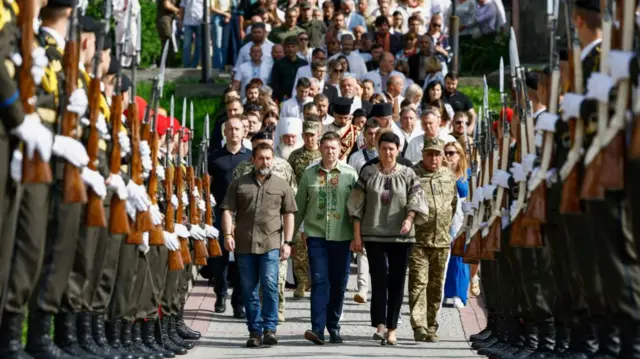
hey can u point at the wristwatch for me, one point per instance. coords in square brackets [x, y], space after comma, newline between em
[289, 243]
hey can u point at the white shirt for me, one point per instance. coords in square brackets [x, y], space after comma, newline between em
[291, 108]
[358, 160]
[410, 136]
[304, 71]
[60, 39]
[587, 49]
[357, 66]
[306, 56]
[192, 12]
[328, 119]
[248, 71]
[414, 151]
[378, 86]
[244, 54]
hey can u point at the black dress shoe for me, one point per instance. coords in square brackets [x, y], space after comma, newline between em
[173, 334]
[315, 338]
[10, 337]
[221, 305]
[238, 313]
[39, 342]
[335, 338]
[269, 338]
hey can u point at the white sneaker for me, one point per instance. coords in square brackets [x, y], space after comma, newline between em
[457, 302]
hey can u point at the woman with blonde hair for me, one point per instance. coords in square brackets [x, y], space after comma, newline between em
[414, 95]
[456, 283]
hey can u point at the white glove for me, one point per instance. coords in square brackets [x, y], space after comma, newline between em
[95, 181]
[145, 150]
[500, 178]
[467, 207]
[570, 106]
[197, 233]
[518, 172]
[160, 172]
[16, 58]
[85, 121]
[181, 231]
[138, 197]
[552, 176]
[78, 102]
[618, 63]
[16, 166]
[131, 209]
[546, 122]
[125, 144]
[35, 136]
[527, 162]
[71, 150]
[598, 87]
[101, 126]
[147, 164]
[40, 62]
[171, 241]
[487, 192]
[202, 205]
[144, 247]
[478, 197]
[185, 198]
[212, 200]
[156, 215]
[513, 208]
[174, 201]
[505, 218]
[195, 193]
[116, 183]
[212, 232]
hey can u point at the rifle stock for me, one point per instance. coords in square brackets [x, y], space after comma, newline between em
[118, 219]
[184, 242]
[200, 249]
[214, 245]
[156, 235]
[634, 149]
[570, 200]
[34, 170]
[95, 207]
[184, 250]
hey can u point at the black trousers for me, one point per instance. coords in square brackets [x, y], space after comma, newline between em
[388, 269]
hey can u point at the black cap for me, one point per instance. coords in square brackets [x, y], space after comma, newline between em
[381, 110]
[114, 65]
[262, 135]
[125, 82]
[88, 24]
[592, 5]
[60, 3]
[531, 79]
[342, 106]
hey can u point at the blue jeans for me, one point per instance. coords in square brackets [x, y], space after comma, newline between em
[329, 264]
[191, 31]
[260, 269]
[226, 40]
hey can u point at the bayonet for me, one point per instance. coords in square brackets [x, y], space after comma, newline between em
[163, 63]
[190, 157]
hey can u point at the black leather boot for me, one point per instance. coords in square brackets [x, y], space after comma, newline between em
[114, 335]
[173, 333]
[65, 335]
[183, 330]
[630, 335]
[100, 337]
[10, 337]
[85, 336]
[509, 340]
[492, 339]
[136, 343]
[584, 340]
[39, 342]
[563, 333]
[609, 340]
[152, 341]
[485, 333]
[162, 336]
[546, 340]
[530, 342]
[126, 340]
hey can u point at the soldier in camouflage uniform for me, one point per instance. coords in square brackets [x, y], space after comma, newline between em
[430, 253]
[299, 160]
[282, 169]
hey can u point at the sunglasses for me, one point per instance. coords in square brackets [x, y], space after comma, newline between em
[436, 25]
[338, 70]
[460, 123]
[304, 39]
[450, 153]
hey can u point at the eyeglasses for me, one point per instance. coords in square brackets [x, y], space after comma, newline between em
[450, 153]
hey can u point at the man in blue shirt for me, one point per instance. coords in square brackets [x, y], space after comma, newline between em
[222, 162]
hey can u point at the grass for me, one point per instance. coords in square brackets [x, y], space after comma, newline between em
[475, 95]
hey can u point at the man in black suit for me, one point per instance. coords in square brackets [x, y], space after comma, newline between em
[319, 70]
[376, 55]
[417, 62]
[390, 42]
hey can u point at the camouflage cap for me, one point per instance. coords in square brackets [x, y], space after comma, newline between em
[434, 144]
[310, 126]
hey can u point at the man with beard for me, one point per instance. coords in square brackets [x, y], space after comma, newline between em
[259, 38]
[288, 136]
[349, 89]
[458, 100]
[259, 200]
[281, 168]
[315, 28]
[342, 126]
[322, 104]
[252, 94]
[256, 68]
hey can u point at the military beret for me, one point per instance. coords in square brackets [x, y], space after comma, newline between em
[592, 5]
[162, 124]
[342, 106]
[125, 82]
[381, 110]
[531, 79]
[291, 40]
[60, 3]
[433, 144]
[114, 65]
[185, 134]
[310, 127]
[262, 135]
[509, 117]
[88, 24]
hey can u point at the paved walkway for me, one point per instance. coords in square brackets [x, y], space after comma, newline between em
[225, 336]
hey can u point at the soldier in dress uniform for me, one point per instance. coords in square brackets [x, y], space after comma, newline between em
[342, 126]
[299, 160]
[430, 253]
[282, 169]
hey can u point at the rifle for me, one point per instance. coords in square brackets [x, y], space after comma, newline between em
[214, 246]
[175, 257]
[34, 170]
[95, 206]
[73, 188]
[613, 139]
[592, 188]
[570, 200]
[184, 242]
[200, 249]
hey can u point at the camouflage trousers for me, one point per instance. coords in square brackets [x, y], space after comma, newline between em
[301, 264]
[427, 269]
[282, 281]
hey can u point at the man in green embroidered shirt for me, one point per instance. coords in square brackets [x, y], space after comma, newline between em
[322, 204]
